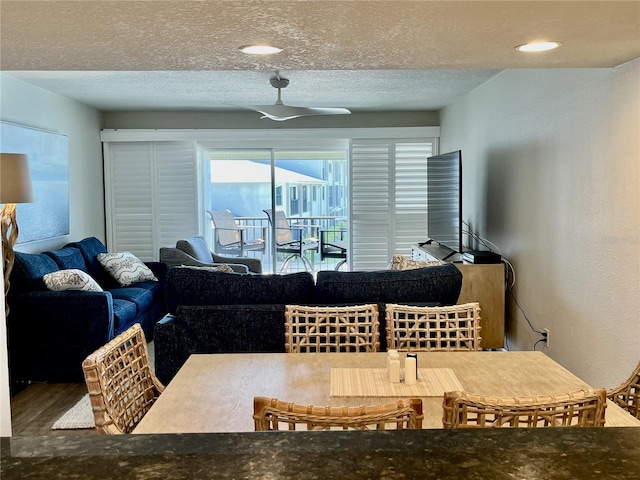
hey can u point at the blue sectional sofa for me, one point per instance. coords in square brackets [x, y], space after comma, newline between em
[220, 312]
[50, 333]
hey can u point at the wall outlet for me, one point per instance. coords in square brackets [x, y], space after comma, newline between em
[546, 338]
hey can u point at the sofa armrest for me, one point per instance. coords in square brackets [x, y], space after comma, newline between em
[51, 333]
[216, 329]
[166, 356]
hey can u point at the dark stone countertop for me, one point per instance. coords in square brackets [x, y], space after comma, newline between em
[551, 453]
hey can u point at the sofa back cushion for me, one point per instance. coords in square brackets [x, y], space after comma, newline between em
[434, 285]
[232, 328]
[90, 247]
[197, 248]
[199, 286]
[28, 270]
[68, 258]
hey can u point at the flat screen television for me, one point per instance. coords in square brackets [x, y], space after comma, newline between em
[444, 200]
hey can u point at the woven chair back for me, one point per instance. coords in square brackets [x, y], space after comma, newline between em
[272, 414]
[584, 408]
[433, 329]
[627, 395]
[332, 329]
[122, 387]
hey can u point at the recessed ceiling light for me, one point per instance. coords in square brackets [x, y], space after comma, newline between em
[260, 49]
[537, 46]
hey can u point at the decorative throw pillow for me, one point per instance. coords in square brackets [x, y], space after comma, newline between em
[399, 262]
[224, 268]
[126, 268]
[71, 279]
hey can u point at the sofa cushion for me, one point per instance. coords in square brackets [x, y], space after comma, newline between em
[438, 284]
[90, 247]
[196, 247]
[155, 288]
[28, 270]
[126, 268]
[124, 312]
[70, 279]
[141, 297]
[68, 258]
[194, 286]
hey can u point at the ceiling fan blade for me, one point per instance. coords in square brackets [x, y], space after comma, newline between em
[281, 112]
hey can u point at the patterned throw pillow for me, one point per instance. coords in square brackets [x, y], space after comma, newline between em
[71, 279]
[126, 268]
[399, 262]
[224, 268]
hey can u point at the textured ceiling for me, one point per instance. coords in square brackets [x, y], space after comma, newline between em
[364, 55]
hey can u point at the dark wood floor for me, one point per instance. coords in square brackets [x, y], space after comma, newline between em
[35, 409]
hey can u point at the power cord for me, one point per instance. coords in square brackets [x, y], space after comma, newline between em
[491, 246]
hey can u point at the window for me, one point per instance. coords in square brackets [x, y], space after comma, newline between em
[369, 178]
[242, 180]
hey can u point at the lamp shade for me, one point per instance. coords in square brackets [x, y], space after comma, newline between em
[15, 178]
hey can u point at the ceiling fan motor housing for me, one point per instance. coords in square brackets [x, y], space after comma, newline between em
[279, 82]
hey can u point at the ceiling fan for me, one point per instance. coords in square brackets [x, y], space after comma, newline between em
[280, 112]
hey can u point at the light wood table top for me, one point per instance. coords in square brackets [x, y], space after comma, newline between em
[214, 393]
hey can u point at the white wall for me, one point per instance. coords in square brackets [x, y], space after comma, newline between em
[31, 106]
[27, 105]
[551, 163]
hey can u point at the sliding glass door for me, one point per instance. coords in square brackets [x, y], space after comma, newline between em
[287, 207]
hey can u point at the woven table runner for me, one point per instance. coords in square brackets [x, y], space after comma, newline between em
[373, 382]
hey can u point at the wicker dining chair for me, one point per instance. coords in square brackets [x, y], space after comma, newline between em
[270, 413]
[433, 329]
[584, 408]
[627, 395]
[332, 329]
[122, 387]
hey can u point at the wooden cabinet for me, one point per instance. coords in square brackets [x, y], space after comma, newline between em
[482, 283]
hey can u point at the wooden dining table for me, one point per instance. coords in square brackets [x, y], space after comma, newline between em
[214, 392]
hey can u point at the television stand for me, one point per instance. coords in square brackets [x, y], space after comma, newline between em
[482, 283]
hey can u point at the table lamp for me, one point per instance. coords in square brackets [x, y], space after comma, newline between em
[15, 187]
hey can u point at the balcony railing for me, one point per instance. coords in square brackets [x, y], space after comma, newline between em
[311, 227]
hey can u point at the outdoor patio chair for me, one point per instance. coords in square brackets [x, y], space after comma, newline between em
[122, 386]
[290, 239]
[269, 413]
[333, 245]
[235, 240]
[584, 408]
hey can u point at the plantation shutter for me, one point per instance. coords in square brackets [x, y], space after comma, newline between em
[177, 198]
[388, 199]
[371, 219]
[151, 196]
